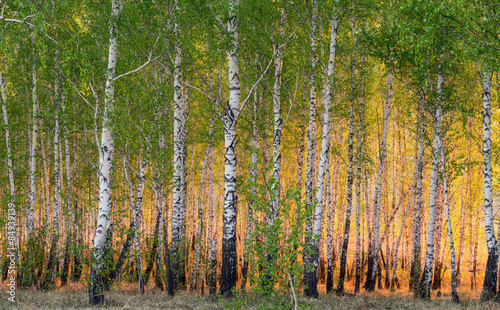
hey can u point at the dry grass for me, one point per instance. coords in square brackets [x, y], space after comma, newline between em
[126, 298]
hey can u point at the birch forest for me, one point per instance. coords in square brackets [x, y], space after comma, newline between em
[250, 154]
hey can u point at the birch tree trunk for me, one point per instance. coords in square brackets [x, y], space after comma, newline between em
[373, 255]
[358, 179]
[253, 176]
[95, 288]
[454, 294]
[463, 203]
[194, 275]
[350, 156]
[417, 210]
[490, 277]
[425, 284]
[278, 122]
[310, 153]
[178, 183]
[396, 248]
[69, 228]
[12, 186]
[29, 220]
[138, 221]
[48, 280]
[312, 274]
[229, 257]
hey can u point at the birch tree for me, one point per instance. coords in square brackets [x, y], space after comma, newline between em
[308, 274]
[490, 277]
[350, 157]
[229, 259]
[95, 288]
[373, 254]
[454, 294]
[425, 284]
[178, 182]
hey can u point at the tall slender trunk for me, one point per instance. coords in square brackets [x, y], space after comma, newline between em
[13, 246]
[96, 287]
[46, 180]
[329, 224]
[454, 294]
[417, 209]
[425, 284]
[194, 275]
[490, 277]
[373, 255]
[310, 152]
[138, 221]
[396, 248]
[278, 122]
[69, 199]
[463, 203]
[253, 176]
[300, 162]
[358, 178]
[350, 156]
[29, 220]
[48, 280]
[229, 257]
[178, 183]
[312, 276]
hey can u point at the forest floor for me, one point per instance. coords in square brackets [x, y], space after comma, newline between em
[76, 298]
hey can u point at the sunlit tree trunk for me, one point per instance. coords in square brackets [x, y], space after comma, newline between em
[49, 273]
[278, 121]
[358, 178]
[229, 259]
[69, 199]
[29, 220]
[312, 275]
[12, 186]
[454, 294]
[396, 248]
[194, 275]
[310, 290]
[373, 255]
[461, 244]
[138, 221]
[490, 277]
[425, 284]
[178, 182]
[95, 288]
[350, 158]
[416, 218]
[253, 176]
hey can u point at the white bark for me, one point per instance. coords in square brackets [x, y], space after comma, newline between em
[489, 286]
[138, 221]
[10, 169]
[179, 154]
[29, 221]
[450, 229]
[105, 161]
[308, 275]
[427, 275]
[12, 186]
[57, 189]
[228, 280]
[278, 123]
[358, 178]
[373, 263]
[325, 146]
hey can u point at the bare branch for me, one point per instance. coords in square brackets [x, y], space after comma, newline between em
[136, 69]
